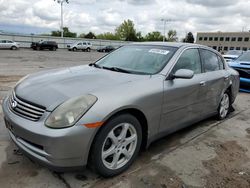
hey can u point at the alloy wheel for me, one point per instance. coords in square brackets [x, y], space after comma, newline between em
[119, 146]
[224, 106]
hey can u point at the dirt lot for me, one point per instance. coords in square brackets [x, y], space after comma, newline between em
[208, 154]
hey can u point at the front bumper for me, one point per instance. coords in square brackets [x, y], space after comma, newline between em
[245, 84]
[56, 148]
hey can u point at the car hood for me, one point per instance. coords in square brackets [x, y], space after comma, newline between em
[51, 88]
[240, 64]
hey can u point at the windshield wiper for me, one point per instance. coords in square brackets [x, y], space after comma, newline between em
[117, 69]
[95, 65]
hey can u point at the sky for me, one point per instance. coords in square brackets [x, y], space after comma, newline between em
[99, 16]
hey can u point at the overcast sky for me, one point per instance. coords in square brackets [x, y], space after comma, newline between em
[98, 16]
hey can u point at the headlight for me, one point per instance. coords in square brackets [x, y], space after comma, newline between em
[69, 112]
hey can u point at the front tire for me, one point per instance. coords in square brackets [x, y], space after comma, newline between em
[74, 49]
[224, 106]
[116, 145]
[13, 48]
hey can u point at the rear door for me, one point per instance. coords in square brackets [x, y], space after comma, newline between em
[182, 97]
[215, 81]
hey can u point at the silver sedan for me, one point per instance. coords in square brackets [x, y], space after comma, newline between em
[103, 113]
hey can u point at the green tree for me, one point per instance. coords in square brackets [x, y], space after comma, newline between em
[90, 35]
[108, 36]
[189, 38]
[139, 37]
[126, 31]
[172, 36]
[66, 33]
[154, 36]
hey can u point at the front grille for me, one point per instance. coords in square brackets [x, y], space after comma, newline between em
[244, 72]
[25, 109]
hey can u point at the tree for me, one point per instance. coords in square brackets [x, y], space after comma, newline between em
[66, 33]
[126, 31]
[108, 36]
[90, 35]
[139, 37]
[172, 36]
[189, 38]
[154, 36]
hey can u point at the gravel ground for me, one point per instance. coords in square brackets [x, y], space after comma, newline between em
[208, 154]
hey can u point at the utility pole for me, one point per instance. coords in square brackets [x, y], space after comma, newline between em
[61, 3]
[164, 26]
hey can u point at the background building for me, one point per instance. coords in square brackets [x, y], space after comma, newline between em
[224, 41]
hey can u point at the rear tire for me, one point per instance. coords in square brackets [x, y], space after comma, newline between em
[74, 49]
[88, 49]
[116, 145]
[224, 106]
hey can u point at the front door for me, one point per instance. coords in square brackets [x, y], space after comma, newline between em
[182, 97]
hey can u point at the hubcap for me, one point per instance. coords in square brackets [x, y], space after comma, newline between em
[224, 105]
[119, 146]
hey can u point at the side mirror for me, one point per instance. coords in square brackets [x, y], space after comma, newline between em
[184, 74]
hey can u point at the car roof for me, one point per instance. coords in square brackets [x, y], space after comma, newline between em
[171, 44]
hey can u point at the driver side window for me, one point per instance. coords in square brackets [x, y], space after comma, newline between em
[189, 59]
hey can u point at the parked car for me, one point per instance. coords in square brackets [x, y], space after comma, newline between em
[106, 49]
[80, 45]
[42, 45]
[103, 113]
[242, 65]
[232, 55]
[9, 44]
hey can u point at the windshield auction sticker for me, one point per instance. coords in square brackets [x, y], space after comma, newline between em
[159, 51]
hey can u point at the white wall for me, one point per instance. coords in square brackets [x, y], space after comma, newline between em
[25, 40]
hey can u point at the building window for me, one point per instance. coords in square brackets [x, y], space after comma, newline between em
[221, 38]
[231, 48]
[227, 38]
[225, 48]
[244, 48]
[215, 47]
[200, 38]
[210, 38]
[246, 39]
[233, 38]
[205, 38]
[239, 39]
[237, 48]
[215, 38]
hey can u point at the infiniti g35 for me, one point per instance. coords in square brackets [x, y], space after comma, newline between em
[103, 113]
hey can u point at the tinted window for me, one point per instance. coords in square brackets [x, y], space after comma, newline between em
[84, 43]
[79, 43]
[189, 59]
[210, 61]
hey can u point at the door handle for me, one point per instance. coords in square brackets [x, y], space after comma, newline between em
[202, 83]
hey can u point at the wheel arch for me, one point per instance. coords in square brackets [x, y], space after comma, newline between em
[138, 114]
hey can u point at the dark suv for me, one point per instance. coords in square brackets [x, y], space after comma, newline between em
[41, 45]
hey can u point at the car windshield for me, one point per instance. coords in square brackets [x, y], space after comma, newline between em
[234, 52]
[244, 57]
[141, 59]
